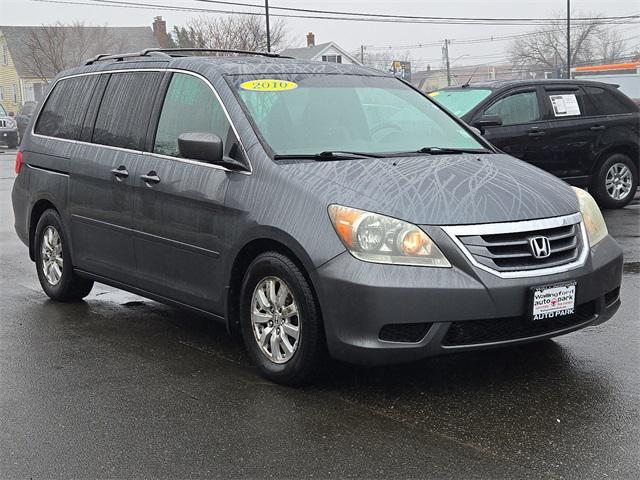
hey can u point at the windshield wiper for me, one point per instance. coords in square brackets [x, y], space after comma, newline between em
[327, 155]
[447, 150]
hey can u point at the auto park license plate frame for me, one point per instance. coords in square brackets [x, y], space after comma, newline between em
[549, 302]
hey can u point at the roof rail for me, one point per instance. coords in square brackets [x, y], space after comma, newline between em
[175, 52]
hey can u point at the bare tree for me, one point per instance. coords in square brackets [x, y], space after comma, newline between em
[234, 32]
[545, 48]
[383, 59]
[49, 49]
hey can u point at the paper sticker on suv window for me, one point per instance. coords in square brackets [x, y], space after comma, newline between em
[564, 105]
[268, 85]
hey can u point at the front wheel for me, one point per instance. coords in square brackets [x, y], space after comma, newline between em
[280, 320]
[615, 183]
[53, 261]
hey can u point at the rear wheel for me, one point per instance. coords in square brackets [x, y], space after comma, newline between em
[615, 183]
[280, 321]
[53, 261]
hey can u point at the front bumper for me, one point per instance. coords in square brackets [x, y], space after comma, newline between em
[358, 299]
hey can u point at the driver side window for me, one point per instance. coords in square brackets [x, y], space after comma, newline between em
[190, 107]
[515, 109]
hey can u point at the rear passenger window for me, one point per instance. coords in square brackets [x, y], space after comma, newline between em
[63, 114]
[517, 108]
[605, 102]
[125, 111]
[566, 103]
[190, 107]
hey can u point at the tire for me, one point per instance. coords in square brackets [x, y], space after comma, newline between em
[308, 350]
[615, 182]
[51, 248]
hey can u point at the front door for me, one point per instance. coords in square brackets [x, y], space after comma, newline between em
[523, 130]
[179, 216]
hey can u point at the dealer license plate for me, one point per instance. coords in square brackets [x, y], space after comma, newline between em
[554, 301]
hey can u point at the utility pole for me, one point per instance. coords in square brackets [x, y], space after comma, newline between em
[568, 38]
[266, 8]
[362, 54]
[445, 52]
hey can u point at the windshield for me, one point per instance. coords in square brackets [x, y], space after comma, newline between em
[2, 111]
[312, 113]
[460, 101]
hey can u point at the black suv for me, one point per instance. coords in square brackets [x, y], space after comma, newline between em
[586, 133]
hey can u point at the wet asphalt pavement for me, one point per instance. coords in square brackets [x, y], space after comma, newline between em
[121, 386]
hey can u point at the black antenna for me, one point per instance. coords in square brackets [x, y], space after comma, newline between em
[466, 84]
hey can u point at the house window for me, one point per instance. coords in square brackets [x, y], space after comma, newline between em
[1, 92]
[4, 55]
[14, 93]
[332, 58]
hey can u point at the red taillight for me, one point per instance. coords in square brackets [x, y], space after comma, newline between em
[19, 161]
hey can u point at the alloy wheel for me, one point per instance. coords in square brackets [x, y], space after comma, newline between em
[619, 181]
[51, 255]
[275, 319]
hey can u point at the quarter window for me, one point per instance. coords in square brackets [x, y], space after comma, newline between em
[605, 102]
[517, 108]
[190, 107]
[63, 114]
[125, 111]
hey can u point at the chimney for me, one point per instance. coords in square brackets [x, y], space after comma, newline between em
[311, 39]
[160, 31]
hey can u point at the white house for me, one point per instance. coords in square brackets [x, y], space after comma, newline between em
[323, 52]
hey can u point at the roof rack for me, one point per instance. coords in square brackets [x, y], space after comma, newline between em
[175, 52]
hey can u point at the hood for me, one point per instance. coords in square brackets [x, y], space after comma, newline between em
[440, 189]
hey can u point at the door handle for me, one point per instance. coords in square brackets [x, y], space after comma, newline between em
[150, 178]
[597, 128]
[120, 173]
[534, 132]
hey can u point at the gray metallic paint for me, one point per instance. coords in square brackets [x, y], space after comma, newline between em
[188, 229]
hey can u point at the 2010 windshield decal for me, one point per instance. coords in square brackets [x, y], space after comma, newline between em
[268, 85]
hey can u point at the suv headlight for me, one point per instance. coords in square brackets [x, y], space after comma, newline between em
[380, 239]
[592, 217]
[10, 122]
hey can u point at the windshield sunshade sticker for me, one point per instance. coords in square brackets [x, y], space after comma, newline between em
[268, 85]
[565, 105]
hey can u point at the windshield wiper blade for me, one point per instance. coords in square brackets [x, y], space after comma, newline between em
[327, 155]
[446, 150]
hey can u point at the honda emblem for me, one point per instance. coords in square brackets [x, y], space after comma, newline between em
[540, 247]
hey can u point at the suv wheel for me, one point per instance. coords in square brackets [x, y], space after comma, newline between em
[53, 261]
[615, 183]
[280, 321]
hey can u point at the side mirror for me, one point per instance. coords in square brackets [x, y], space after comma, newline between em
[206, 147]
[488, 121]
[12, 114]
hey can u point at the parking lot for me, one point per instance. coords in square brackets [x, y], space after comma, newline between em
[123, 386]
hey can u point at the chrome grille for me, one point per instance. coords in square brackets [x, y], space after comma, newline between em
[505, 248]
[511, 251]
[3, 124]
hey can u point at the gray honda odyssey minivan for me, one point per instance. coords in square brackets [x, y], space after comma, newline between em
[315, 208]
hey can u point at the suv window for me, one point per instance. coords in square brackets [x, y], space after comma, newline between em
[63, 114]
[190, 106]
[518, 108]
[604, 102]
[567, 102]
[125, 110]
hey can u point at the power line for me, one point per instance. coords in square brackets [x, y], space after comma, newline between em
[369, 18]
[411, 17]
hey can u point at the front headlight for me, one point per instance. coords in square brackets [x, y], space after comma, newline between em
[379, 239]
[592, 217]
[11, 123]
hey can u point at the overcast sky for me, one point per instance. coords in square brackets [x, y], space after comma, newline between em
[350, 35]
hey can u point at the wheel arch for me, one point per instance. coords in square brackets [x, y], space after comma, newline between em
[629, 149]
[259, 242]
[38, 208]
